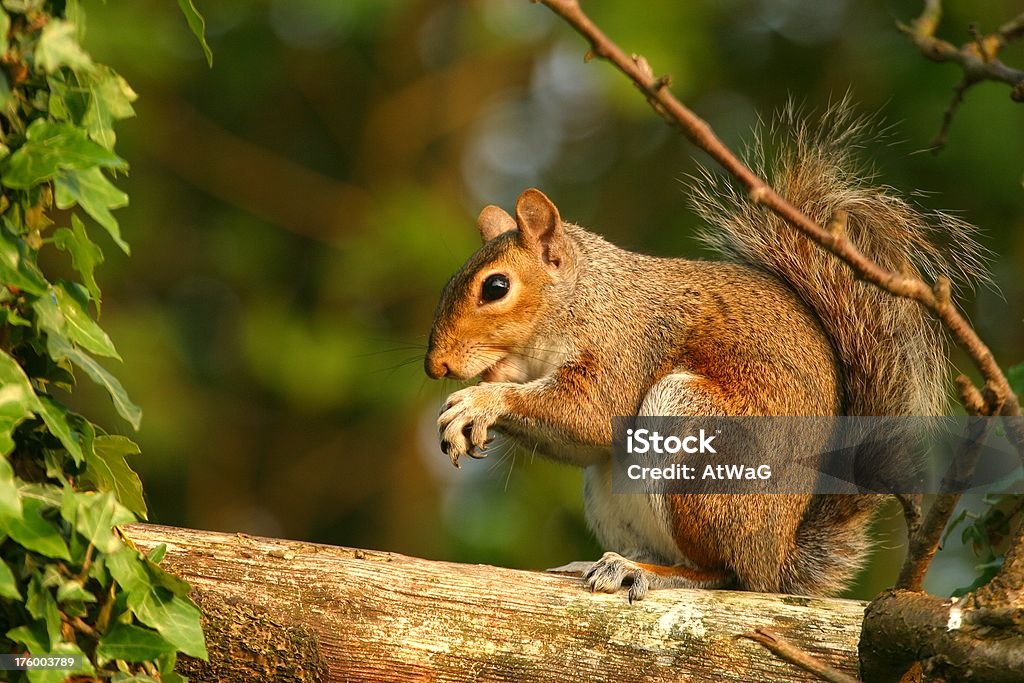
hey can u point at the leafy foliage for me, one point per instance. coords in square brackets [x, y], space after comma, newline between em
[988, 532]
[70, 582]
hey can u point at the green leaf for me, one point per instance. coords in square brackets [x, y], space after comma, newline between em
[132, 644]
[59, 349]
[73, 590]
[9, 317]
[85, 254]
[8, 584]
[64, 649]
[107, 470]
[157, 553]
[91, 190]
[175, 618]
[58, 46]
[24, 6]
[41, 605]
[17, 402]
[15, 267]
[98, 514]
[10, 499]
[32, 636]
[34, 531]
[51, 147]
[62, 313]
[6, 95]
[1015, 376]
[110, 99]
[129, 570]
[160, 577]
[72, 430]
[67, 101]
[198, 25]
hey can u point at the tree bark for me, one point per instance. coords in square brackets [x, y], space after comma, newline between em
[278, 610]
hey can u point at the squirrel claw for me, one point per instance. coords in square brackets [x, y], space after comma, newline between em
[465, 420]
[614, 572]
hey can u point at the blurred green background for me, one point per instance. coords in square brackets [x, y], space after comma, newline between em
[296, 210]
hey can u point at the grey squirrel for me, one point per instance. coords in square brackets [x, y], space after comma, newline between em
[566, 330]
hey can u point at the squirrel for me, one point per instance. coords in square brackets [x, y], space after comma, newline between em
[566, 330]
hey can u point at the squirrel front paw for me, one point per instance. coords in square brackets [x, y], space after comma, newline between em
[465, 419]
[614, 572]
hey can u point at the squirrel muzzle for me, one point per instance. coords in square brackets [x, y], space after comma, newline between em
[434, 365]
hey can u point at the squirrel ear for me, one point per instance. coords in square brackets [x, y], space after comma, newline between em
[494, 221]
[540, 226]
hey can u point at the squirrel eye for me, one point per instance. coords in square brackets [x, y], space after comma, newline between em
[495, 287]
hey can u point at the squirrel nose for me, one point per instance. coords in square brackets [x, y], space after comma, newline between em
[436, 368]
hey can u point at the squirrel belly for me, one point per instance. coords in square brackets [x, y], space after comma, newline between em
[567, 330]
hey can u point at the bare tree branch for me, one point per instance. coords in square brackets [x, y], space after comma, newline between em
[783, 649]
[924, 541]
[978, 58]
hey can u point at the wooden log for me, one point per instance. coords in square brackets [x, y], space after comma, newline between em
[277, 610]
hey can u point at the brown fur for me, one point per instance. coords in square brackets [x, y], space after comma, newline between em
[589, 331]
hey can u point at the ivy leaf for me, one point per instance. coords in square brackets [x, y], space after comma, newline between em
[62, 313]
[59, 349]
[129, 570]
[67, 101]
[15, 267]
[51, 147]
[10, 499]
[91, 190]
[32, 636]
[58, 46]
[107, 470]
[156, 555]
[17, 402]
[175, 618]
[8, 584]
[85, 254]
[1015, 376]
[41, 605]
[73, 590]
[9, 317]
[61, 649]
[110, 99]
[132, 644]
[98, 514]
[198, 25]
[72, 430]
[34, 531]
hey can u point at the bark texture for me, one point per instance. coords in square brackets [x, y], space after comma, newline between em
[278, 610]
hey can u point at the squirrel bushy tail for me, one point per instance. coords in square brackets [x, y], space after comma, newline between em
[892, 353]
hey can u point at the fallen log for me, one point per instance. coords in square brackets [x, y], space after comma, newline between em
[277, 610]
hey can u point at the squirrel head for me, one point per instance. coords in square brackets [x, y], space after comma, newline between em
[490, 310]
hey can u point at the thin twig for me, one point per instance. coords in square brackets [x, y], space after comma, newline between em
[789, 652]
[978, 57]
[924, 543]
